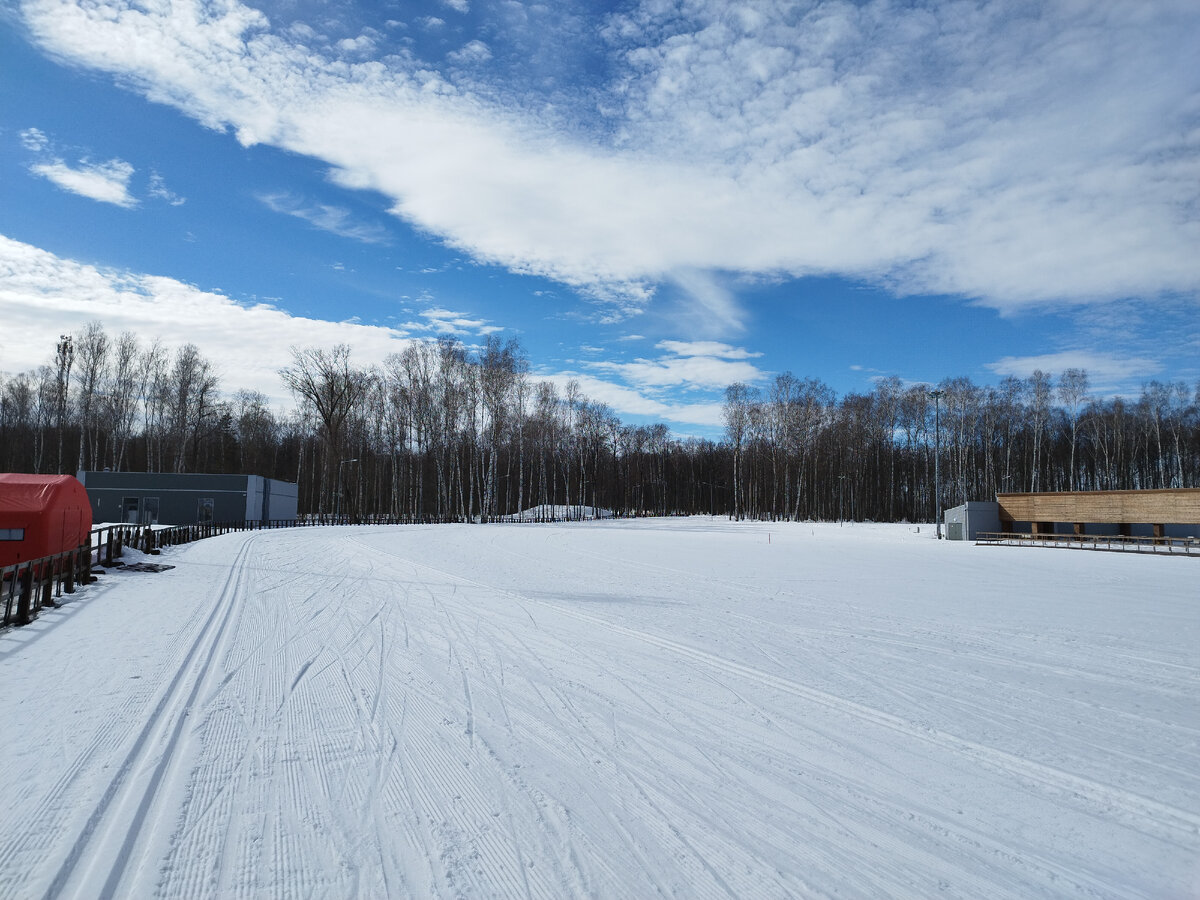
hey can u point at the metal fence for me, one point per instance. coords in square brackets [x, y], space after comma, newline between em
[1178, 546]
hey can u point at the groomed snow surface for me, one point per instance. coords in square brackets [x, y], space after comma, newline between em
[684, 708]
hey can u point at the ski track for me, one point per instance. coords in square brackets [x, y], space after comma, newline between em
[541, 711]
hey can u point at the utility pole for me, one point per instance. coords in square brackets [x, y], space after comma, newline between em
[937, 455]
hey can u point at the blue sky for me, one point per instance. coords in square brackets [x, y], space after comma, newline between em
[657, 198]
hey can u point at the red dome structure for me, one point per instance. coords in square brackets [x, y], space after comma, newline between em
[41, 515]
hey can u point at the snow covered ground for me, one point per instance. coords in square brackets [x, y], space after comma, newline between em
[690, 708]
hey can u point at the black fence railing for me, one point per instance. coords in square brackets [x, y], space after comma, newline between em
[1179, 546]
[27, 587]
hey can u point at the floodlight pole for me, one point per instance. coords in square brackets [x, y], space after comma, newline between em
[841, 500]
[337, 510]
[937, 456]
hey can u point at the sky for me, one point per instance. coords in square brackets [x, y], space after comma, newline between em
[655, 197]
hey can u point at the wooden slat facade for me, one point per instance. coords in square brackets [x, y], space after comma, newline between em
[1173, 506]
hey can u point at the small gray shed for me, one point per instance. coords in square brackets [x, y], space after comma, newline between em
[966, 522]
[151, 498]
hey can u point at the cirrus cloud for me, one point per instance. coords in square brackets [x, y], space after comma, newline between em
[1019, 156]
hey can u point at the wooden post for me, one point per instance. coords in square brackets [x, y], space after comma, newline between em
[108, 549]
[1158, 533]
[24, 583]
[85, 563]
[69, 574]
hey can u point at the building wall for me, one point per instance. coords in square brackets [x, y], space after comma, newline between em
[971, 519]
[184, 499]
[1178, 506]
[284, 501]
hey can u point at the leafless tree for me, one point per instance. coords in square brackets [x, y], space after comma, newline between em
[1072, 394]
[736, 413]
[124, 387]
[91, 354]
[333, 387]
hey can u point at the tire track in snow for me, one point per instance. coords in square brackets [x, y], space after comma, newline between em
[121, 815]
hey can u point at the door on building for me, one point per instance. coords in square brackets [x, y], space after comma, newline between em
[129, 510]
[150, 511]
[204, 510]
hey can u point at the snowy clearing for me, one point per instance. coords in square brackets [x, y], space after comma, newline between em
[689, 708]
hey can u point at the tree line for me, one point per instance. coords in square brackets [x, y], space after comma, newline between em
[442, 432]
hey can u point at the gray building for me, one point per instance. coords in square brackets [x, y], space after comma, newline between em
[151, 498]
[967, 522]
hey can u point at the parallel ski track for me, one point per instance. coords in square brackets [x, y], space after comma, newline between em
[111, 833]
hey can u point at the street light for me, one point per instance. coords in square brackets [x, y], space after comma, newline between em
[337, 512]
[937, 454]
[841, 500]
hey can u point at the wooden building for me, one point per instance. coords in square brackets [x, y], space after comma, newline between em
[1173, 512]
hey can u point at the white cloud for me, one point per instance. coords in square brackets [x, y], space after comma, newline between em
[459, 6]
[107, 182]
[1017, 155]
[159, 190]
[631, 402]
[333, 219]
[700, 372]
[714, 309]
[363, 44]
[1102, 368]
[248, 343]
[694, 365]
[446, 321]
[34, 140]
[706, 348]
[470, 53]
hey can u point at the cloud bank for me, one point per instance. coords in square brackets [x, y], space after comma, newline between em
[249, 343]
[1014, 153]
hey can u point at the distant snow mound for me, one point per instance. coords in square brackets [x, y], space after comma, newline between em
[560, 513]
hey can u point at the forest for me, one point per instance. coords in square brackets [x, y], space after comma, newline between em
[444, 432]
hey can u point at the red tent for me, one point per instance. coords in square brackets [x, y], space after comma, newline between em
[41, 515]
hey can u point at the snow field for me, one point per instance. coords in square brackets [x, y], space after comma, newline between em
[692, 708]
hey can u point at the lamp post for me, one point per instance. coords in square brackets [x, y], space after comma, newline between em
[841, 499]
[337, 512]
[937, 455]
